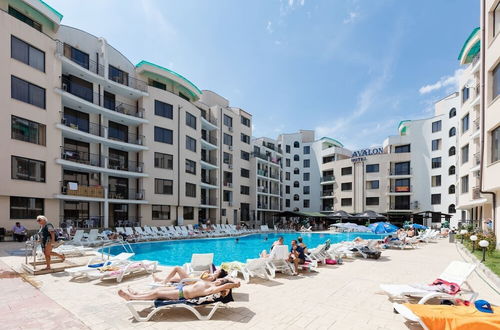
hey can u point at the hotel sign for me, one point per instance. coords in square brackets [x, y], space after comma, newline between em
[360, 155]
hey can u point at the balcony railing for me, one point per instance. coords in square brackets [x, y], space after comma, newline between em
[77, 189]
[262, 173]
[477, 158]
[262, 206]
[210, 180]
[399, 206]
[64, 49]
[399, 172]
[327, 208]
[209, 201]
[81, 221]
[327, 193]
[83, 157]
[130, 82]
[131, 194]
[327, 178]
[210, 118]
[400, 189]
[262, 189]
[272, 147]
[130, 166]
[86, 127]
[210, 139]
[127, 137]
[476, 192]
[274, 176]
[476, 124]
[210, 160]
[95, 98]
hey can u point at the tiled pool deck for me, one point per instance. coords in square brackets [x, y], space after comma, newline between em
[337, 297]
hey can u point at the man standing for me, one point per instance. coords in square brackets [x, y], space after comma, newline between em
[48, 239]
[19, 232]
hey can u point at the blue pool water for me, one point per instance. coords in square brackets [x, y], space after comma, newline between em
[178, 252]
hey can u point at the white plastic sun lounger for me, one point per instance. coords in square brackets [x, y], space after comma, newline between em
[200, 262]
[148, 231]
[125, 269]
[256, 268]
[78, 238]
[143, 234]
[278, 260]
[456, 272]
[408, 314]
[160, 233]
[114, 260]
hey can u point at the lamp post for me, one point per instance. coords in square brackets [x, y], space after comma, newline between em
[484, 244]
[462, 233]
[473, 238]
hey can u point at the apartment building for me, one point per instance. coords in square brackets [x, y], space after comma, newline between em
[266, 181]
[97, 141]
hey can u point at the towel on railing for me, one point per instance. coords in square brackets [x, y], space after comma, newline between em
[72, 185]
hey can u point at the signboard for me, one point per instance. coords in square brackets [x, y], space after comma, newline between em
[360, 155]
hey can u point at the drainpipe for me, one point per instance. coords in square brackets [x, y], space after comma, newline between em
[482, 111]
[179, 107]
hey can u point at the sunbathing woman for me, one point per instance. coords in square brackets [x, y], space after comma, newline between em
[191, 291]
[178, 274]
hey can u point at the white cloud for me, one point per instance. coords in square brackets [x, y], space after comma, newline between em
[269, 27]
[446, 81]
[353, 15]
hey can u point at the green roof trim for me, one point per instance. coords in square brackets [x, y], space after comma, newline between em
[472, 35]
[143, 62]
[402, 126]
[58, 14]
[402, 122]
[336, 141]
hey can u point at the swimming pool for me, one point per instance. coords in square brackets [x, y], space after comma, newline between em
[178, 252]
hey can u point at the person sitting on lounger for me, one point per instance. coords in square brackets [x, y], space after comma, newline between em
[191, 291]
[178, 274]
[302, 245]
[297, 256]
[264, 253]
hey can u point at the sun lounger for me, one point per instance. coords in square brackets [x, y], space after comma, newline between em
[160, 233]
[149, 231]
[98, 261]
[142, 234]
[256, 268]
[130, 233]
[456, 272]
[78, 238]
[200, 262]
[278, 260]
[118, 272]
[214, 300]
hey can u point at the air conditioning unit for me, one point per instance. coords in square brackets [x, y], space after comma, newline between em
[230, 128]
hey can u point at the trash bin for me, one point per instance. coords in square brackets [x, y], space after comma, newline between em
[452, 237]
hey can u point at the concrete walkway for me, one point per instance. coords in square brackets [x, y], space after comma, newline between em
[337, 297]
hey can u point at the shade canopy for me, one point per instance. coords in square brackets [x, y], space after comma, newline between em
[370, 215]
[383, 227]
[340, 214]
[418, 226]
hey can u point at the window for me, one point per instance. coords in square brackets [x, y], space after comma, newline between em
[306, 190]
[27, 92]
[227, 196]
[465, 94]
[26, 207]
[27, 54]
[164, 109]
[451, 170]
[435, 199]
[163, 135]
[307, 150]
[227, 158]
[184, 96]
[464, 184]
[287, 203]
[23, 18]
[296, 170]
[190, 144]
[296, 158]
[245, 173]
[402, 185]
[436, 126]
[307, 163]
[451, 208]
[296, 184]
[287, 162]
[306, 203]
[346, 170]
[436, 181]
[453, 112]
[287, 176]
[496, 81]
[465, 154]
[296, 197]
[245, 138]
[373, 184]
[372, 168]
[190, 189]
[287, 189]
[245, 155]
[245, 121]
[190, 166]
[228, 121]
[27, 130]
[228, 139]
[190, 120]
[157, 84]
[346, 201]
[188, 212]
[27, 169]
[117, 131]
[452, 151]
[245, 190]
[496, 23]
[306, 176]
[451, 189]
[296, 144]
[346, 186]
[80, 121]
[372, 201]
[465, 123]
[287, 148]
[160, 212]
[402, 149]
[436, 162]
[436, 144]
[164, 160]
[495, 145]
[163, 186]
[117, 75]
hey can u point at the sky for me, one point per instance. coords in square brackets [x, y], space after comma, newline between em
[349, 69]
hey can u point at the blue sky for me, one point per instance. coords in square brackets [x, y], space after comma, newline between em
[350, 69]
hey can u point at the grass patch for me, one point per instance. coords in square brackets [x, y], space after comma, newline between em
[492, 258]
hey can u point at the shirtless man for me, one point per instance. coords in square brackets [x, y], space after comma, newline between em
[195, 290]
[177, 274]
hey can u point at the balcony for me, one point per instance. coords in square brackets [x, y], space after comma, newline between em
[84, 158]
[208, 202]
[262, 206]
[399, 207]
[208, 142]
[208, 121]
[476, 192]
[400, 190]
[272, 147]
[64, 49]
[208, 162]
[327, 208]
[129, 166]
[262, 173]
[274, 176]
[327, 179]
[131, 82]
[396, 172]
[327, 194]
[477, 159]
[75, 189]
[263, 190]
[128, 194]
[82, 221]
[209, 182]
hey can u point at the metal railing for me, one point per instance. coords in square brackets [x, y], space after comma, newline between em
[83, 157]
[88, 127]
[393, 171]
[209, 139]
[77, 189]
[210, 118]
[210, 180]
[400, 189]
[209, 160]
[133, 194]
[262, 173]
[262, 189]
[209, 201]
[477, 158]
[274, 176]
[130, 82]
[327, 208]
[64, 49]
[82, 221]
[327, 193]
[399, 206]
[128, 137]
[130, 166]
[327, 178]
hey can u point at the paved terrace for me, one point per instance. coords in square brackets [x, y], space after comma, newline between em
[337, 297]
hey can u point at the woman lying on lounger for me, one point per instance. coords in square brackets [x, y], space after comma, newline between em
[191, 291]
[178, 274]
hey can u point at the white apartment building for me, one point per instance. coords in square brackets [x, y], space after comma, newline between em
[266, 181]
[94, 140]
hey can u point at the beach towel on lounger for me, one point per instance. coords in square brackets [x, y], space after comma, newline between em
[210, 299]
